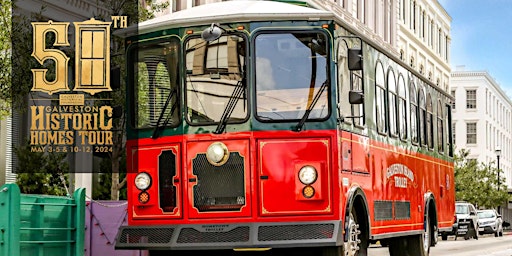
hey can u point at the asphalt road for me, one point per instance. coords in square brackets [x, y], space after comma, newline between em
[486, 245]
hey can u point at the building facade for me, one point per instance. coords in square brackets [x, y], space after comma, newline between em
[424, 39]
[481, 122]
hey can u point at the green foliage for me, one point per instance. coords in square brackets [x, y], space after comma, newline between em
[477, 183]
[105, 179]
[5, 57]
[41, 173]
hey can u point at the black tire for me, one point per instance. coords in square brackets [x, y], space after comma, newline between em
[357, 243]
[444, 237]
[332, 251]
[415, 245]
[407, 246]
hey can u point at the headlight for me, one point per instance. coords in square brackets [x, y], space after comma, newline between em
[307, 175]
[217, 153]
[142, 181]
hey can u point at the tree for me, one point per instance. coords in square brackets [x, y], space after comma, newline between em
[477, 183]
[5, 57]
[41, 173]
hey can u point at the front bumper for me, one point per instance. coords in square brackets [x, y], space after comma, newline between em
[489, 229]
[230, 236]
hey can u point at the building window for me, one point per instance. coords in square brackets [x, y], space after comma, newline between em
[380, 97]
[439, 41]
[470, 99]
[453, 102]
[404, 13]
[424, 25]
[413, 21]
[471, 133]
[361, 10]
[179, 5]
[453, 133]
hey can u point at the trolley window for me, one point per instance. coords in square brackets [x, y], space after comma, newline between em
[155, 82]
[215, 82]
[291, 76]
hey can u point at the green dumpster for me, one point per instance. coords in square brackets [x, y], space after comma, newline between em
[41, 225]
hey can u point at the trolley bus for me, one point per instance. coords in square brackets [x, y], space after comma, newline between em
[262, 125]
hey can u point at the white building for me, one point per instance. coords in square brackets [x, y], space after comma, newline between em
[424, 39]
[481, 119]
[482, 123]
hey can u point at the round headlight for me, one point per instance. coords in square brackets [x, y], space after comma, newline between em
[142, 181]
[217, 153]
[307, 175]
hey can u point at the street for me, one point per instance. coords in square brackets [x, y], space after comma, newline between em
[485, 245]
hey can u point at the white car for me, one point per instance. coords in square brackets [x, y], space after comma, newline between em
[490, 222]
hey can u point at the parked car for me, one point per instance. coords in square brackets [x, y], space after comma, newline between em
[490, 222]
[465, 222]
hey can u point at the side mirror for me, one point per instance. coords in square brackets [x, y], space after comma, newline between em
[355, 59]
[355, 97]
[212, 33]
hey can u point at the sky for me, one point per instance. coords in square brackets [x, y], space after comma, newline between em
[481, 33]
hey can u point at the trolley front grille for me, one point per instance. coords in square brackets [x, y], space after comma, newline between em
[191, 235]
[219, 188]
[295, 232]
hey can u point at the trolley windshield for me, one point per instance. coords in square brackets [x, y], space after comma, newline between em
[215, 80]
[291, 68]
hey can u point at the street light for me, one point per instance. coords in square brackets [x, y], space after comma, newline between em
[498, 154]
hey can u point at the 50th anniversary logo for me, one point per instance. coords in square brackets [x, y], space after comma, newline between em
[75, 123]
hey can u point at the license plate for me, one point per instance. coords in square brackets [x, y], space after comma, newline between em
[480, 229]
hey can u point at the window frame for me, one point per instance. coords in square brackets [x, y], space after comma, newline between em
[472, 134]
[422, 117]
[473, 104]
[402, 98]
[392, 103]
[413, 108]
[132, 53]
[185, 83]
[440, 127]
[328, 72]
[380, 99]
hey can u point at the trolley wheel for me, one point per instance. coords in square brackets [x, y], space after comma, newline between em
[357, 241]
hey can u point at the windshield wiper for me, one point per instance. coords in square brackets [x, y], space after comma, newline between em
[300, 125]
[230, 107]
[173, 107]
